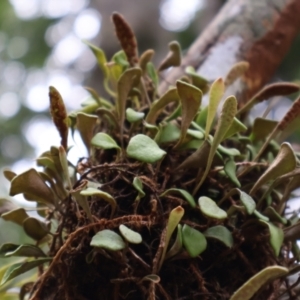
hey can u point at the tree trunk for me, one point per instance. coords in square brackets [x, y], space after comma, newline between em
[258, 31]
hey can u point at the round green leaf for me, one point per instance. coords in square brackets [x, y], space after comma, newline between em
[144, 149]
[193, 240]
[133, 116]
[210, 209]
[104, 141]
[220, 233]
[108, 240]
[130, 235]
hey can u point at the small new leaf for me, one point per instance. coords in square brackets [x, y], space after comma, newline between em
[109, 240]
[143, 148]
[193, 241]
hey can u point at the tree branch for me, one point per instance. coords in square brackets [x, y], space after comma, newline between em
[258, 31]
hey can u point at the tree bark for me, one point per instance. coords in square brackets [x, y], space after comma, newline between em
[258, 31]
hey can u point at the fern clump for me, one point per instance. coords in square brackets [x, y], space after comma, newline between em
[174, 201]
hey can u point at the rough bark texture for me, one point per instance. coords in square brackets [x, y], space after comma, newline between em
[258, 31]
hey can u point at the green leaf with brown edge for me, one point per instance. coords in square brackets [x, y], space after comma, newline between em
[20, 268]
[85, 124]
[81, 200]
[17, 216]
[143, 148]
[30, 182]
[129, 79]
[215, 95]
[103, 195]
[54, 155]
[290, 116]
[274, 216]
[271, 90]
[6, 206]
[175, 216]
[133, 116]
[235, 72]
[228, 113]
[109, 115]
[210, 209]
[145, 58]
[276, 236]
[138, 185]
[25, 250]
[197, 80]
[170, 96]
[288, 119]
[129, 235]
[220, 233]
[100, 101]
[151, 71]
[198, 159]
[8, 174]
[185, 194]
[262, 128]
[173, 58]
[236, 126]
[190, 98]
[292, 233]
[59, 115]
[284, 162]
[104, 141]
[256, 282]
[108, 239]
[177, 246]
[35, 228]
[46, 162]
[193, 241]
[230, 170]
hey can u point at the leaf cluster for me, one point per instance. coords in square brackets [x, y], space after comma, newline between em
[168, 180]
